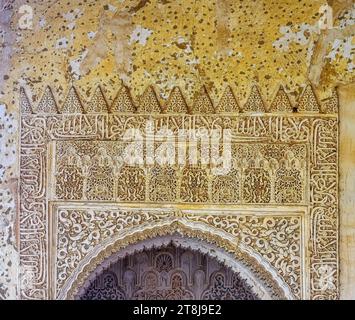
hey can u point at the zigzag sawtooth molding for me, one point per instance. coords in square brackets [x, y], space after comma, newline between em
[176, 103]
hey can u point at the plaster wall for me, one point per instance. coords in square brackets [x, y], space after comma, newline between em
[166, 43]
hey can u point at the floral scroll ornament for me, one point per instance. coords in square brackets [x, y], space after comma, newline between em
[326, 281]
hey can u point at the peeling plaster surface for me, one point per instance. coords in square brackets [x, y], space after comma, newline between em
[8, 252]
[345, 48]
[185, 43]
[300, 36]
[140, 35]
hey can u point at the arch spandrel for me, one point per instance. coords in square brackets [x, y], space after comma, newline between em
[258, 272]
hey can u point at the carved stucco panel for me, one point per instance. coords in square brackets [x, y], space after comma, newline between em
[275, 238]
[292, 151]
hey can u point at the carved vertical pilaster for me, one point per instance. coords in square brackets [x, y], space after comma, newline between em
[324, 214]
[33, 208]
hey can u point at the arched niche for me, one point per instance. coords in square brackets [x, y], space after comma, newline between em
[167, 268]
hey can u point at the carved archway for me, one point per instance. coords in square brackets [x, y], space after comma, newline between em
[286, 227]
[258, 273]
[171, 268]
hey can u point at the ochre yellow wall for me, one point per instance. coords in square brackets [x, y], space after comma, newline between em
[165, 43]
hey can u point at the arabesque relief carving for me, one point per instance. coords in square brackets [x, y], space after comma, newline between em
[282, 159]
[261, 173]
[275, 238]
